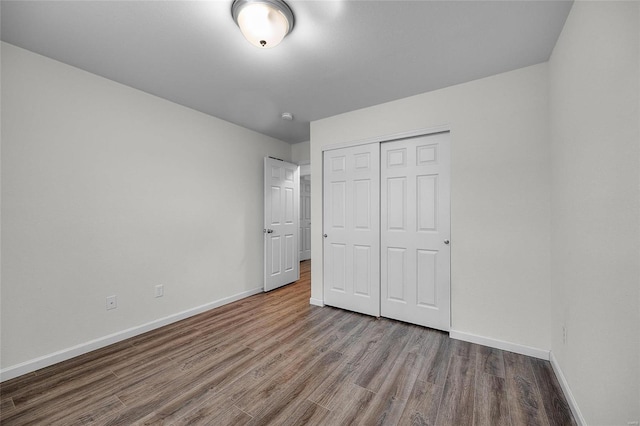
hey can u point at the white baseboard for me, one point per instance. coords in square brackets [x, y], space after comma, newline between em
[83, 348]
[500, 344]
[316, 302]
[577, 415]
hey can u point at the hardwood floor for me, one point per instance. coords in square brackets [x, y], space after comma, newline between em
[274, 359]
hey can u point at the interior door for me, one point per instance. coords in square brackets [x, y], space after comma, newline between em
[415, 230]
[281, 198]
[351, 229]
[305, 217]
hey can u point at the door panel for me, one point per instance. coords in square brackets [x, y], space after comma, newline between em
[427, 194]
[290, 253]
[362, 265]
[427, 263]
[281, 198]
[351, 225]
[338, 205]
[395, 279]
[396, 203]
[362, 206]
[289, 211]
[338, 257]
[415, 266]
[274, 204]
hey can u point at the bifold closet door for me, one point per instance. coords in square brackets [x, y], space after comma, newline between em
[415, 230]
[351, 191]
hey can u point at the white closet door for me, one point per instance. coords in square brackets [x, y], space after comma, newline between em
[415, 230]
[351, 191]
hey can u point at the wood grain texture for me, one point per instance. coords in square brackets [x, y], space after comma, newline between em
[274, 359]
[490, 361]
[491, 404]
[556, 407]
[525, 402]
[456, 407]
[423, 404]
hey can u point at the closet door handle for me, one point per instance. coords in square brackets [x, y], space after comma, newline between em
[446, 242]
[324, 235]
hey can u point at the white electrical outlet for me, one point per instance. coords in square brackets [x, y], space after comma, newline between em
[159, 290]
[112, 302]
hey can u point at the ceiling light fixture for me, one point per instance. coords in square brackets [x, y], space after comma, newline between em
[264, 23]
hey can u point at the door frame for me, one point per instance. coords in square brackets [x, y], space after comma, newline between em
[389, 138]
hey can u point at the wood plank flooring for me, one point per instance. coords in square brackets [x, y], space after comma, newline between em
[274, 359]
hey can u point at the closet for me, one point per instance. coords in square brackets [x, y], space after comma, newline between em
[386, 224]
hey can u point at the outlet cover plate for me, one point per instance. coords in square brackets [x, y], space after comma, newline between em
[112, 302]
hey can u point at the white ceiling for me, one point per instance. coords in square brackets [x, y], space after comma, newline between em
[340, 56]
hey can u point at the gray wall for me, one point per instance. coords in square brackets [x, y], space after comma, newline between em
[499, 196]
[595, 156]
[108, 190]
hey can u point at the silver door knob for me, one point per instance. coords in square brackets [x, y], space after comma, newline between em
[446, 241]
[325, 235]
[269, 231]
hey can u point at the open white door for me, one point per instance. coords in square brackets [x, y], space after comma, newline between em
[281, 199]
[351, 226]
[415, 231]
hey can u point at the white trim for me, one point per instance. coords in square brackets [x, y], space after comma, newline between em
[500, 344]
[388, 138]
[577, 415]
[92, 345]
[316, 302]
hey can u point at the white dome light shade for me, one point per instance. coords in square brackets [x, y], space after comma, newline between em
[264, 23]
